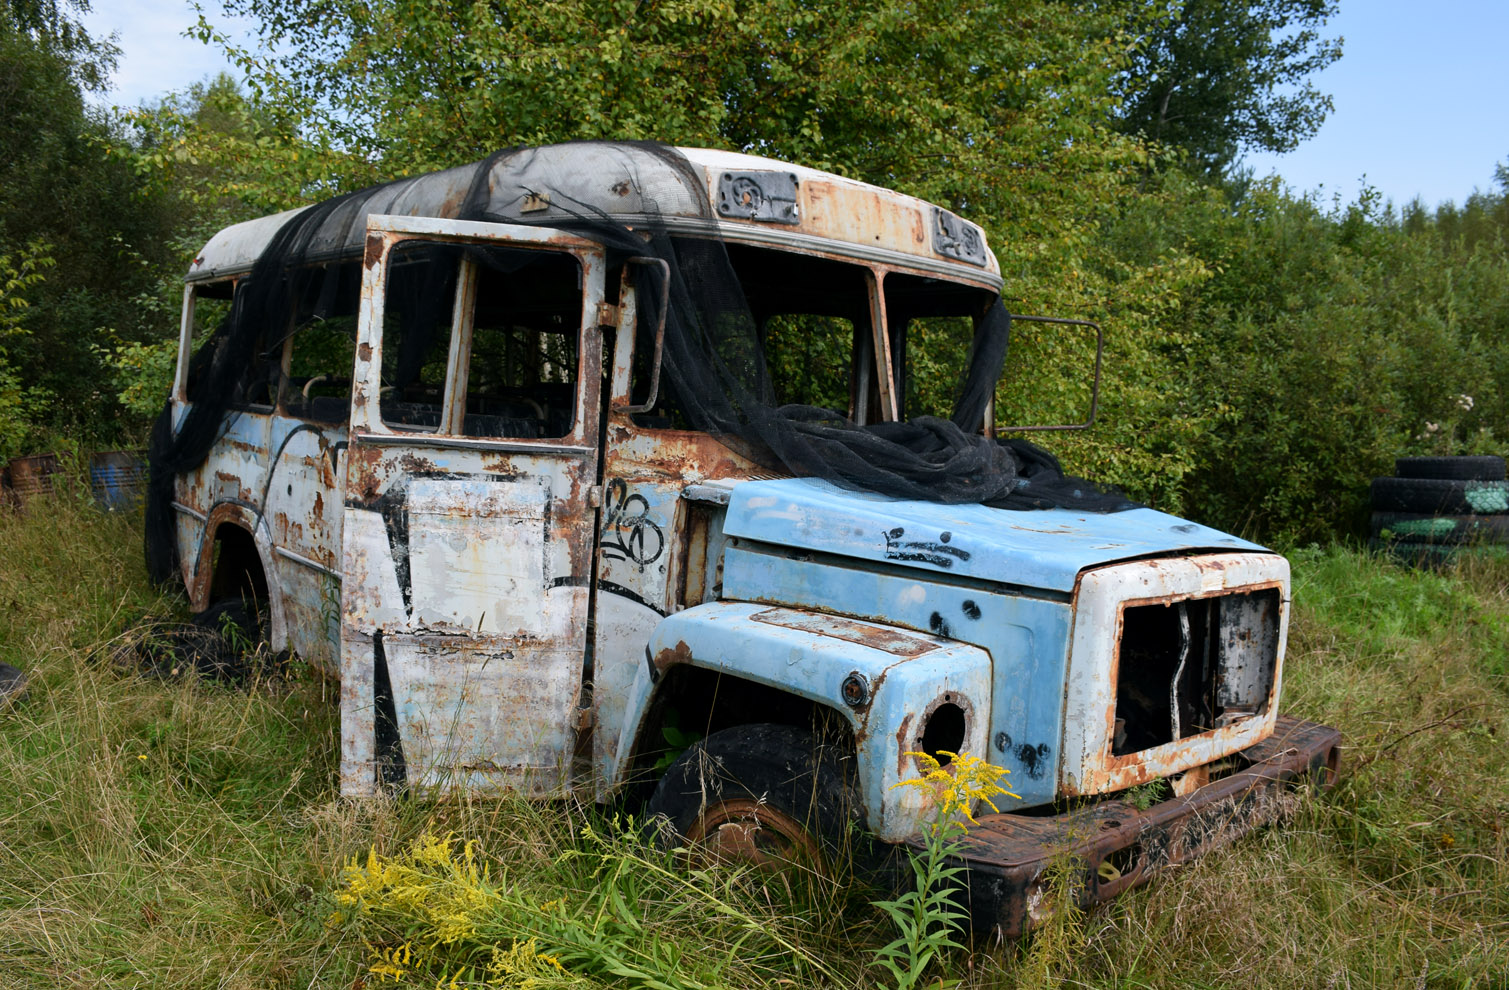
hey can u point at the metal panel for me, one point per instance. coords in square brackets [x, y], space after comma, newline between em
[1044, 549]
[799, 656]
[474, 713]
[477, 557]
[837, 216]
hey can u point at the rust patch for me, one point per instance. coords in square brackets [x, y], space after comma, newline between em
[835, 627]
[672, 655]
[364, 352]
[1008, 853]
[374, 251]
[414, 464]
[903, 731]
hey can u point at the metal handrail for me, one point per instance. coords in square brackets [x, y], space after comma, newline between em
[665, 298]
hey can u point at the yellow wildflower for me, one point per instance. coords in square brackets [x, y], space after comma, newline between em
[961, 783]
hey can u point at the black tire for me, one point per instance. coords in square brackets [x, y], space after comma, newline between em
[12, 686]
[1484, 467]
[1440, 497]
[232, 640]
[1409, 527]
[1428, 556]
[765, 794]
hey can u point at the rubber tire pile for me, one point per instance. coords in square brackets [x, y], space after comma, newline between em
[1434, 506]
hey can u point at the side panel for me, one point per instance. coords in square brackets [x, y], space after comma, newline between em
[811, 655]
[302, 505]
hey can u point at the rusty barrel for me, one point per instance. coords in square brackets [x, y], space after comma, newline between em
[116, 478]
[32, 475]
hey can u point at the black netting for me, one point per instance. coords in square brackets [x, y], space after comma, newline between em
[715, 376]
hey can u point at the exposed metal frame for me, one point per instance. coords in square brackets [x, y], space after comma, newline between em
[1100, 347]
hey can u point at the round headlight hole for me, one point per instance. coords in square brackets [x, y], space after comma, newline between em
[943, 732]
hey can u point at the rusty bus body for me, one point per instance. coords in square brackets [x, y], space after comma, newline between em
[521, 589]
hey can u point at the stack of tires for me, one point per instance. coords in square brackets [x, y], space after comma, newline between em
[1434, 506]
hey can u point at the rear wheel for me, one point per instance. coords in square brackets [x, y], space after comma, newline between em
[12, 686]
[232, 641]
[761, 794]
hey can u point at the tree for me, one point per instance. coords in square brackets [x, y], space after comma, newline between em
[88, 60]
[60, 187]
[1217, 77]
[974, 106]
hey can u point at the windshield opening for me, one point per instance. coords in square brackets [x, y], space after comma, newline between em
[931, 323]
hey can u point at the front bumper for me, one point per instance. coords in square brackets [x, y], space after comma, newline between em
[1111, 846]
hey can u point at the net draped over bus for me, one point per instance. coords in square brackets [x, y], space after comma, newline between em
[636, 199]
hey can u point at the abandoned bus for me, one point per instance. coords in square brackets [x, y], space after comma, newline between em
[545, 455]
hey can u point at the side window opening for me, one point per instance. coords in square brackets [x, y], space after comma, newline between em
[211, 305]
[811, 359]
[515, 315]
[525, 336]
[322, 349]
[256, 387]
[416, 333]
[814, 322]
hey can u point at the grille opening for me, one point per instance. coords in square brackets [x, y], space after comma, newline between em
[1191, 666]
[943, 733]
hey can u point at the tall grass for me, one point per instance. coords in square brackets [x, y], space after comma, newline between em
[177, 833]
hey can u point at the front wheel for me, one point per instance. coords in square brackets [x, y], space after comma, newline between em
[762, 794]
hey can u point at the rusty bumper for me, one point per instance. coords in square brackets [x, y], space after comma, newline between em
[1111, 846]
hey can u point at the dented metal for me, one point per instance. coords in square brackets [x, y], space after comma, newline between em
[510, 610]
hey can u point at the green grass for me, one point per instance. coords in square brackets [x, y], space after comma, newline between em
[180, 834]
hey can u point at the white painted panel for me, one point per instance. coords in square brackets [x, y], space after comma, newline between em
[370, 596]
[623, 630]
[481, 716]
[477, 558]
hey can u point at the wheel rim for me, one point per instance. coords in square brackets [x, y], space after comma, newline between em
[749, 831]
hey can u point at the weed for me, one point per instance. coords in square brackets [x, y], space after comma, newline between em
[927, 916]
[1144, 796]
[174, 834]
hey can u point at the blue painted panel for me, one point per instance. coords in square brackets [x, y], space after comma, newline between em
[1027, 638]
[810, 656]
[1042, 549]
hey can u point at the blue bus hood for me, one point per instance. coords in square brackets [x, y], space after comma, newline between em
[1043, 549]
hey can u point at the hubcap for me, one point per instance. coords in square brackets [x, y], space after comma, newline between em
[749, 831]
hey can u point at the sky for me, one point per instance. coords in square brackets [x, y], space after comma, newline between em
[1421, 107]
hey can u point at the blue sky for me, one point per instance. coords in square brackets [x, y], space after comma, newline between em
[1422, 105]
[1420, 90]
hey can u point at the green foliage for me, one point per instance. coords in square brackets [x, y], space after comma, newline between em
[975, 107]
[48, 26]
[1318, 345]
[1217, 77]
[608, 910]
[107, 234]
[927, 916]
[20, 402]
[188, 831]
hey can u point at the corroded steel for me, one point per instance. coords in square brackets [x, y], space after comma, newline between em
[1010, 857]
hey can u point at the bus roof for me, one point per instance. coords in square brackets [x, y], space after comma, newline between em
[752, 200]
